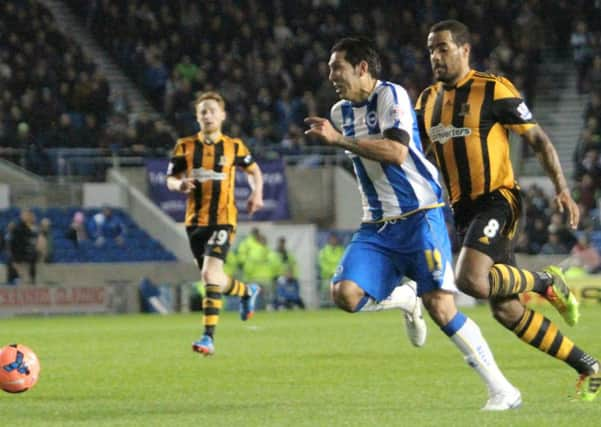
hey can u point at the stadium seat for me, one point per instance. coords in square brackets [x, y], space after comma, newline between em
[139, 246]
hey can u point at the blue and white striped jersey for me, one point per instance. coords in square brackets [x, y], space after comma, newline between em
[388, 190]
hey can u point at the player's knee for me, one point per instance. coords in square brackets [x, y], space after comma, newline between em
[347, 295]
[211, 276]
[473, 284]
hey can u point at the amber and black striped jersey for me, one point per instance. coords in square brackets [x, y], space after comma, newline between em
[468, 126]
[213, 165]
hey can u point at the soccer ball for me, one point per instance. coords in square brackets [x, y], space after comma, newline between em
[19, 368]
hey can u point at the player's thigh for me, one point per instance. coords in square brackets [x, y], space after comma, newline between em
[492, 228]
[430, 264]
[370, 265]
[212, 241]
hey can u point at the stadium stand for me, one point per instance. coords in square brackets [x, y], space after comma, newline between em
[269, 58]
[138, 246]
[53, 95]
[59, 117]
[585, 40]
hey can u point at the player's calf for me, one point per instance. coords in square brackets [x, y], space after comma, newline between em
[507, 310]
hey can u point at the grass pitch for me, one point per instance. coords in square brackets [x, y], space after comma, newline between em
[322, 368]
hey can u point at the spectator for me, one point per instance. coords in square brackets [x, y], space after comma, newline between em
[261, 266]
[587, 151]
[329, 257]
[537, 233]
[106, 226]
[11, 272]
[186, 69]
[45, 244]
[558, 226]
[593, 76]
[287, 292]
[587, 192]
[580, 41]
[286, 261]
[588, 220]
[250, 242]
[23, 247]
[35, 159]
[554, 245]
[585, 255]
[77, 229]
[593, 108]
[65, 135]
[525, 246]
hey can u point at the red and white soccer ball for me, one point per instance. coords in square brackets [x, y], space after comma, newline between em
[19, 368]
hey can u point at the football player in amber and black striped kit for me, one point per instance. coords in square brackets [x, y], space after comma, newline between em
[203, 166]
[465, 118]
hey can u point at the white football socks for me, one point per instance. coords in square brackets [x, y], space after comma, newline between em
[478, 355]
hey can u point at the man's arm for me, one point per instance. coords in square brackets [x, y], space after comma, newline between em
[255, 180]
[382, 149]
[548, 158]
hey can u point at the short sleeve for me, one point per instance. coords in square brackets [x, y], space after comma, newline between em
[510, 109]
[419, 103]
[394, 109]
[336, 116]
[244, 158]
[177, 162]
[419, 116]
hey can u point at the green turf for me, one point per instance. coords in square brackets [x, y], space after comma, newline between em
[296, 368]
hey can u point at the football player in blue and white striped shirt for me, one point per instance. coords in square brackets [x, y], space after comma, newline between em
[403, 232]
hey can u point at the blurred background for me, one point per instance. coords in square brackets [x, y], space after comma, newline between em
[94, 94]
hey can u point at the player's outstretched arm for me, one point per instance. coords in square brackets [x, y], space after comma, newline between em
[382, 149]
[548, 158]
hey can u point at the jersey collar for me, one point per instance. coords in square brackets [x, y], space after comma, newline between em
[366, 101]
[203, 138]
[461, 82]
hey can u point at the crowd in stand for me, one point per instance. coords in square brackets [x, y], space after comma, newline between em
[545, 231]
[269, 59]
[586, 46]
[52, 94]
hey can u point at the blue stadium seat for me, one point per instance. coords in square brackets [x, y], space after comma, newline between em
[139, 246]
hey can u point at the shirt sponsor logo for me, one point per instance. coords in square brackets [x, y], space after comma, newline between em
[202, 175]
[442, 134]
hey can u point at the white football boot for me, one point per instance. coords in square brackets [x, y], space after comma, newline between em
[503, 401]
